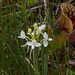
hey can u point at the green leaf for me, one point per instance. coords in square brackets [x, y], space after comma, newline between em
[32, 2]
[46, 63]
[42, 59]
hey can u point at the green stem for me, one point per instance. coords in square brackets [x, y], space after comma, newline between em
[42, 59]
[37, 60]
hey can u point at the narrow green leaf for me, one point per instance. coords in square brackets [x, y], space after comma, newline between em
[32, 2]
[46, 63]
[42, 59]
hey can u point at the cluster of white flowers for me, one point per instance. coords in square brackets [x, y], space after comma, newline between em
[35, 35]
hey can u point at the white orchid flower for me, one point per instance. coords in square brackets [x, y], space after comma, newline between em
[22, 35]
[33, 44]
[42, 27]
[46, 39]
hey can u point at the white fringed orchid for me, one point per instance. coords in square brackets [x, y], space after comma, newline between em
[22, 35]
[33, 40]
[33, 44]
[42, 27]
[46, 39]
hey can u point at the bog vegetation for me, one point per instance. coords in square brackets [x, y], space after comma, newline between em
[37, 37]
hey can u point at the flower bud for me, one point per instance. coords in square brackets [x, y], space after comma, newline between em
[29, 30]
[36, 28]
[39, 31]
[35, 25]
